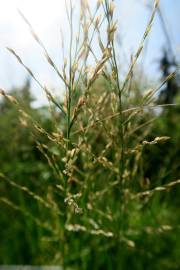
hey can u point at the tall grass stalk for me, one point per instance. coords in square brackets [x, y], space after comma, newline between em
[96, 150]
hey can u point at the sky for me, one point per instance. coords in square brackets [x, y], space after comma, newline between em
[48, 16]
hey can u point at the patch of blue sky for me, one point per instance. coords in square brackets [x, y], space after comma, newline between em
[48, 16]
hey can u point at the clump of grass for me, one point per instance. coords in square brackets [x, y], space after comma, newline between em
[96, 148]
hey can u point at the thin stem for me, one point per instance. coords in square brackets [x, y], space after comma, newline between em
[119, 92]
[70, 78]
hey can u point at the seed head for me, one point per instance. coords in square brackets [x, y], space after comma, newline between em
[99, 3]
[111, 9]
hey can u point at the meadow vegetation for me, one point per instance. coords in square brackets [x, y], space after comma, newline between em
[92, 180]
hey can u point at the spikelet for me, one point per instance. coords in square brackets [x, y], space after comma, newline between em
[111, 8]
[111, 31]
[99, 3]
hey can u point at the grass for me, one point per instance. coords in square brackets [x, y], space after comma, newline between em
[100, 208]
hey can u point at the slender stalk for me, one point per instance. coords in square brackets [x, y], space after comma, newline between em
[68, 123]
[119, 92]
[69, 94]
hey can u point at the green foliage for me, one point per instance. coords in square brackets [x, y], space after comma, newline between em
[146, 242]
[90, 182]
[20, 161]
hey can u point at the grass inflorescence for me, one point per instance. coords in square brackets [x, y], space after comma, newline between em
[99, 207]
